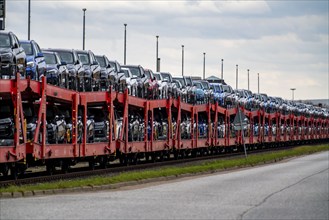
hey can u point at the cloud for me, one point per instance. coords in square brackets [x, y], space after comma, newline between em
[285, 41]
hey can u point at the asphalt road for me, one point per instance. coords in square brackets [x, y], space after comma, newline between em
[295, 189]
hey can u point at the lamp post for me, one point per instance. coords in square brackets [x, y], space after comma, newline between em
[204, 65]
[293, 91]
[157, 55]
[248, 79]
[125, 45]
[29, 21]
[236, 77]
[182, 60]
[222, 73]
[258, 81]
[83, 27]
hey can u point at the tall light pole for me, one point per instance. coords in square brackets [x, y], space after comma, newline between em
[222, 73]
[204, 65]
[83, 27]
[157, 54]
[182, 60]
[248, 79]
[293, 91]
[125, 45]
[29, 21]
[258, 81]
[236, 77]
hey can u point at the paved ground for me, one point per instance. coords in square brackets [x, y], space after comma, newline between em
[296, 189]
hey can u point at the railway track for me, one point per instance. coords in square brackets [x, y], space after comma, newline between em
[116, 168]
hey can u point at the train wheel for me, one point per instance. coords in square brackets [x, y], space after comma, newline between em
[182, 154]
[92, 164]
[176, 154]
[103, 162]
[193, 153]
[153, 157]
[50, 168]
[14, 172]
[161, 156]
[65, 167]
[123, 160]
[4, 170]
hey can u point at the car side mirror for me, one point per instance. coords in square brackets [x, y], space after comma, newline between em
[15, 46]
[63, 63]
[95, 63]
[40, 54]
[77, 62]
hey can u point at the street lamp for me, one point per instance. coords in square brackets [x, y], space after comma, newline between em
[236, 77]
[248, 79]
[204, 65]
[125, 45]
[258, 81]
[293, 91]
[222, 74]
[84, 23]
[157, 55]
[182, 60]
[29, 21]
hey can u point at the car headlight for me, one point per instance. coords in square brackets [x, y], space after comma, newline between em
[52, 71]
[6, 56]
[30, 64]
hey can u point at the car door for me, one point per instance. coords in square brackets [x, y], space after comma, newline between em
[18, 51]
[39, 59]
[95, 67]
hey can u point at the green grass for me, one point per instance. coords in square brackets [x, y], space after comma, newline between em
[209, 166]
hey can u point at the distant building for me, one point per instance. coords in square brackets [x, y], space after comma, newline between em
[214, 79]
[196, 78]
[318, 102]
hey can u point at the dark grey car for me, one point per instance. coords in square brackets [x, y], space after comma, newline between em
[12, 56]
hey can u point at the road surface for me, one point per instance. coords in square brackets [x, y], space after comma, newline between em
[295, 189]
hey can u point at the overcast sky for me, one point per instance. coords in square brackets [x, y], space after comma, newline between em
[286, 42]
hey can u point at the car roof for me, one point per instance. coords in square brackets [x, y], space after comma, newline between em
[129, 65]
[177, 76]
[60, 49]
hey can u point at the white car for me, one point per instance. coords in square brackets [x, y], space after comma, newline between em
[127, 80]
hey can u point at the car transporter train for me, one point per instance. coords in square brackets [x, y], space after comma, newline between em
[43, 124]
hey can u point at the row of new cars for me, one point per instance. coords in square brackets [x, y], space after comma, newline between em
[82, 70]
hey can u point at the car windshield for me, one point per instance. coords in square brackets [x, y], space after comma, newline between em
[205, 85]
[198, 85]
[147, 74]
[181, 80]
[166, 76]
[226, 89]
[135, 71]
[188, 81]
[157, 76]
[4, 41]
[217, 88]
[113, 65]
[126, 72]
[50, 58]
[84, 58]
[28, 48]
[177, 84]
[101, 61]
[66, 57]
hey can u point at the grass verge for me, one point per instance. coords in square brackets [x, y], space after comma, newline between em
[211, 166]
